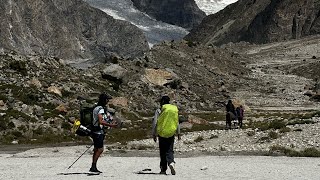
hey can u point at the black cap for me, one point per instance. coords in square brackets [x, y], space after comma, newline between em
[165, 100]
[105, 96]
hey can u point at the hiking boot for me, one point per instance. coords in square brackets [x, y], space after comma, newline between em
[163, 172]
[95, 170]
[172, 166]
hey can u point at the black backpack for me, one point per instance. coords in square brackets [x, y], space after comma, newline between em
[86, 119]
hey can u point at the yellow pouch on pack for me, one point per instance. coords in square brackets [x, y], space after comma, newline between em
[168, 120]
[75, 126]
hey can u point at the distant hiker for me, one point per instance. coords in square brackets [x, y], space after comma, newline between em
[165, 125]
[240, 114]
[231, 114]
[101, 118]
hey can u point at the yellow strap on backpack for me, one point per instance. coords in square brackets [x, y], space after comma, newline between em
[168, 120]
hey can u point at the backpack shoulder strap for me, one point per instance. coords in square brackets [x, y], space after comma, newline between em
[98, 109]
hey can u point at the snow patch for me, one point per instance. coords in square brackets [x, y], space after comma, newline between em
[213, 6]
[155, 31]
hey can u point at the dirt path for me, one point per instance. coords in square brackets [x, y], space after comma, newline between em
[53, 163]
[269, 87]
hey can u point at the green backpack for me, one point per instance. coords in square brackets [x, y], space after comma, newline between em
[168, 120]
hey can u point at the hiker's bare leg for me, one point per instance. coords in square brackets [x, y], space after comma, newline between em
[96, 154]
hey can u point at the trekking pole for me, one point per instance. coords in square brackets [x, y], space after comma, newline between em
[80, 156]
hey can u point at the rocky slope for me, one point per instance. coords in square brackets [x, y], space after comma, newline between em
[259, 22]
[275, 82]
[68, 29]
[40, 94]
[280, 95]
[182, 13]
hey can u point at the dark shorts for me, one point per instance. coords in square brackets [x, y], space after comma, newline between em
[98, 140]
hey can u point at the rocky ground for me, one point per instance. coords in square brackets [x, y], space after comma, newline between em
[282, 83]
[277, 84]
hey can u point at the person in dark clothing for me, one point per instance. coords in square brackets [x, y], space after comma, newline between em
[231, 114]
[240, 114]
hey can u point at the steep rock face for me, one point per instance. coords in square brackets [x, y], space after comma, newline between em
[260, 21]
[68, 29]
[182, 13]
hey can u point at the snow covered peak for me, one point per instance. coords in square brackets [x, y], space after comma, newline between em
[213, 6]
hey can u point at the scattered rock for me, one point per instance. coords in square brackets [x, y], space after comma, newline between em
[55, 90]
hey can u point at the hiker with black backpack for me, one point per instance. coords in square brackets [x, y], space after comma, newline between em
[101, 119]
[164, 127]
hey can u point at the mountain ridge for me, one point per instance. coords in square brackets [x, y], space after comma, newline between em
[259, 22]
[68, 29]
[182, 13]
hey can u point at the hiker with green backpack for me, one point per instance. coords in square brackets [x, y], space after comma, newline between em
[101, 118]
[164, 127]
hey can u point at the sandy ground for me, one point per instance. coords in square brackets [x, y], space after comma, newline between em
[53, 163]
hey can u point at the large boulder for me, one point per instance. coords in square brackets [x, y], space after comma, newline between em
[159, 77]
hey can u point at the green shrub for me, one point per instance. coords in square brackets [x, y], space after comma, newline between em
[211, 117]
[16, 114]
[277, 124]
[316, 114]
[199, 139]
[117, 135]
[251, 133]
[65, 125]
[311, 152]
[285, 129]
[3, 97]
[273, 135]
[214, 136]
[28, 95]
[17, 134]
[23, 128]
[38, 131]
[19, 66]
[301, 121]
[67, 93]
[265, 125]
[308, 152]
[191, 44]
[203, 127]
[264, 138]
[7, 138]
[11, 125]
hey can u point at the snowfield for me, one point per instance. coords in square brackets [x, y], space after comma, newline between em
[213, 6]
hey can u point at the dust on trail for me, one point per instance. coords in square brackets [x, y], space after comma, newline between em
[52, 164]
[268, 86]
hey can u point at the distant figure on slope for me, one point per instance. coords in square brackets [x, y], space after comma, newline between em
[164, 126]
[231, 114]
[240, 114]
